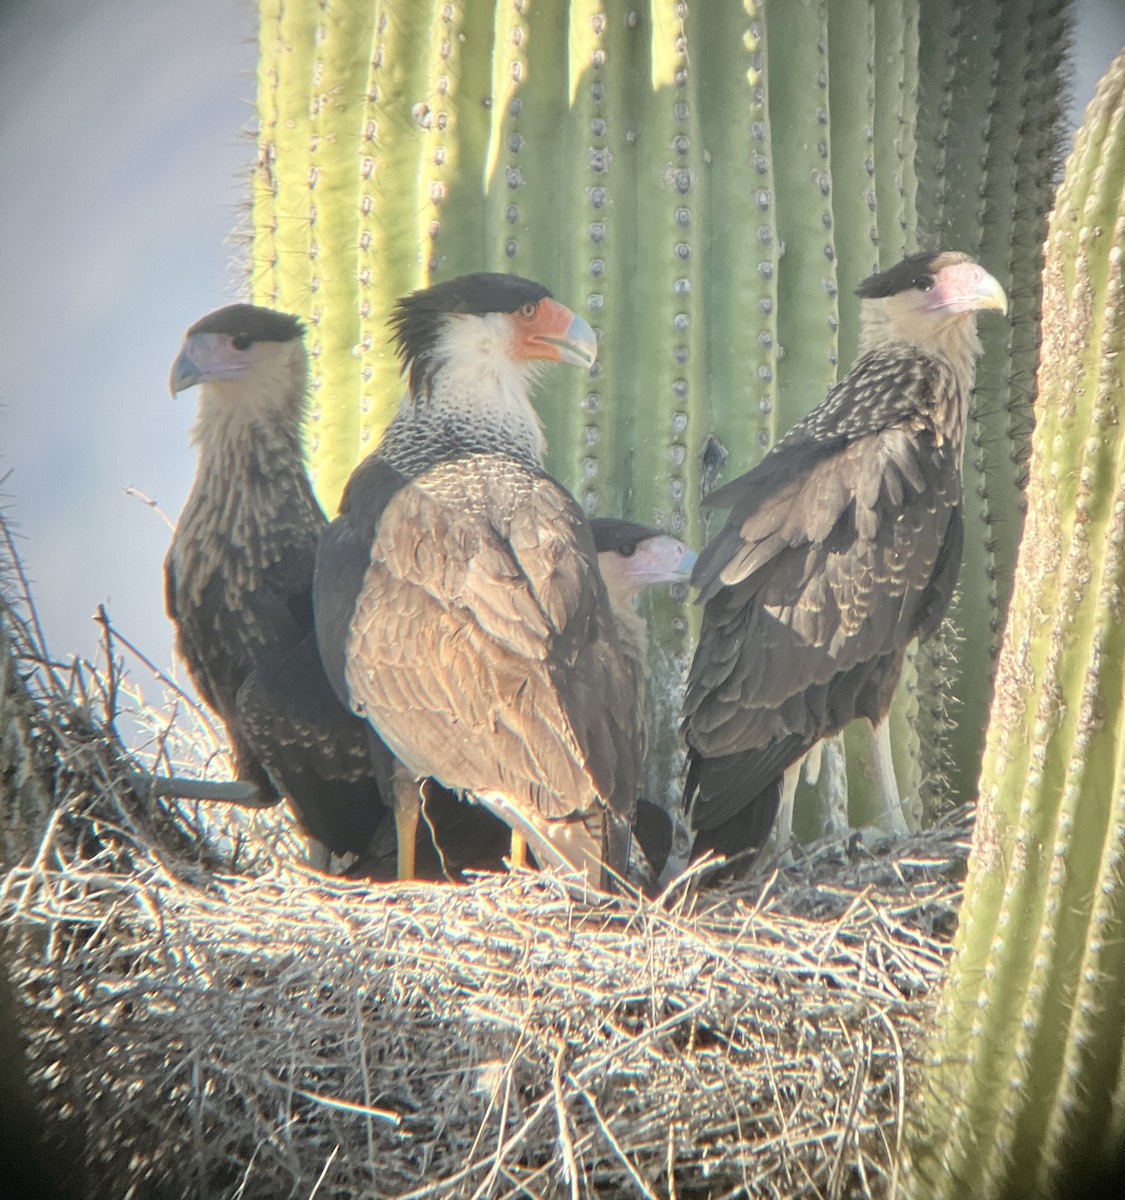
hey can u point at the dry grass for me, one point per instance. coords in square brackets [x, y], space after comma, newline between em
[209, 1019]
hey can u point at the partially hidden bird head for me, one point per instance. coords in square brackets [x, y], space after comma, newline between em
[488, 324]
[928, 299]
[632, 557]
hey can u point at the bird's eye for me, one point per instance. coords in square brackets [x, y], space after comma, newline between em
[241, 341]
[924, 283]
[529, 310]
[627, 550]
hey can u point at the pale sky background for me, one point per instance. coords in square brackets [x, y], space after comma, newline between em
[124, 160]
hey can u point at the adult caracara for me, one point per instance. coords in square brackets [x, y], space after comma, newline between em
[632, 557]
[458, 601]
[238, 578]
[842, 545]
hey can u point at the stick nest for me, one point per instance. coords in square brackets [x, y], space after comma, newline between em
[207, 1018]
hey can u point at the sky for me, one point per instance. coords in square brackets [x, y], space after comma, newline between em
[126, 150]
[125, 139]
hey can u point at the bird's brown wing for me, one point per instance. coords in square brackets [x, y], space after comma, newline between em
[317, 753]
[482, 646]
[814, 589]
[227, 626]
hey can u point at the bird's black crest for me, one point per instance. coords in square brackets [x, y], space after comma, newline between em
[915, 271]
[258, 324]
[416, 317]
[611, 533]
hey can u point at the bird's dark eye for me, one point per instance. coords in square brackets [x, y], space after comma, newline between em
[924, 282]
[241, 341]
[628, 550]
[529, 309]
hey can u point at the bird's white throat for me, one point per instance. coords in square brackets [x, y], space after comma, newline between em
[475, 393]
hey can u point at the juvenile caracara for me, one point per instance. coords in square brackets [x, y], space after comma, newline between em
[842, 545]
[238, 578]
[633, 557]
[459, 606]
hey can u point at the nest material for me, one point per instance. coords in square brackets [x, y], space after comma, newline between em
[196, 1032]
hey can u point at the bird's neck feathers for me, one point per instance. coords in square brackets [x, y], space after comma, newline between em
[265, 406]
[632, 629]
[894, 321]
[469, 394]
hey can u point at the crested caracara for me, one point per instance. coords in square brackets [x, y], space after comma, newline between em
[842, 545]
[238, 578]
[632, 557]
[458, 602]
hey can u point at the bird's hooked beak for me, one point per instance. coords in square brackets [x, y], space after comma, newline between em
[556, 334]
[964, 288]
[662, 559]
[204, 357]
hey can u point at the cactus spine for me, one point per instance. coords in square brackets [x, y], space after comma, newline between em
[1026, 1085]
[705, 183]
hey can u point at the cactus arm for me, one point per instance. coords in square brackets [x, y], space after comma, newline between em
[340, 67]
[896, 103]
[395, 115]
[938, 26]
[595, 174]
[264, 186]
[1031, 1029]
[672, 192]
[461, 80]
[279, 275]
[742, 260]
[851, 117]
[991, 195]
[806, 302]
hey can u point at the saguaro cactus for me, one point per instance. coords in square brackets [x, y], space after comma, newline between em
[705, 182]
[990, 132]
[1026, 1083]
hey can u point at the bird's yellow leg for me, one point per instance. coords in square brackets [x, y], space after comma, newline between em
[517, 855]
[408, 807]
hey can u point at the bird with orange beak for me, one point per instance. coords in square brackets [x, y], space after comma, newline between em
[459, 606]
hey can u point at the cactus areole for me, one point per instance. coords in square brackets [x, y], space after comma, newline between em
[842, 546]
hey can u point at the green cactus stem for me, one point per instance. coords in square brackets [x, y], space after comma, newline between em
[990, 128]
[1026, 1069]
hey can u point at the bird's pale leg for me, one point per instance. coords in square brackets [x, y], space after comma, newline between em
[568, 845]
[824, 770]
[781, 836]
[892, 819]
[812, 763]
[408, 807]
[318, 856]
[517, 855]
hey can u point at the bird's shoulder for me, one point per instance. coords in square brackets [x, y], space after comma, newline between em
[844, 460]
